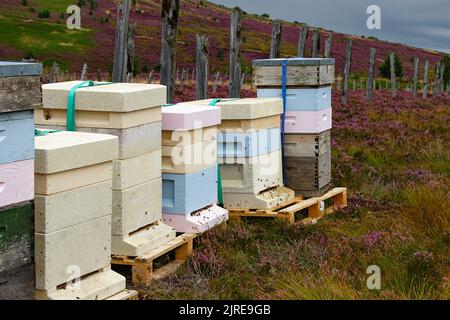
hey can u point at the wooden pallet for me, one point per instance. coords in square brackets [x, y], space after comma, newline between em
[316, 208]
[142, 272]
[125, 295]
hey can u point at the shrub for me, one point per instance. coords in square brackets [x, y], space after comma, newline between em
[44, 14]
[24, 2]
[265, 15]
[385, 68]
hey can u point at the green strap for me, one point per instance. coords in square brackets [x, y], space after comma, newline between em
[70, 122]
[219, 176]
[40, 133]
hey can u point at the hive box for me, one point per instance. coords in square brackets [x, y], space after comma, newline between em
[16, 136]
[197, 222]
[301, 99]
[20, 86]
[186, 193]
[117, 97]
[251, 144]
[73, 216]
[185, 138]
[300, 72]
[137, 170]
[16, 182]
[189, 158]
[132, 141]
[180, 118]
[98, 119]
[308, 121]
[251, 175]
[136, 207]
[309, 177]
[252, 124]
[307, 145]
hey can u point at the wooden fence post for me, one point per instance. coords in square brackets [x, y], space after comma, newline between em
[437, 76]
[441, 79]
[370, 80]
[169, 15]
[235, 54]
[416, 73]
[216, 82]
[348, 61]
[84, 72]
[54, 75]
[120, 50]
[328, 42]
[425, 80]
[131, 46]
[316, 43]
[275, 48]
[150, 76]
[302, 40]
[393, 76]
[202, 66]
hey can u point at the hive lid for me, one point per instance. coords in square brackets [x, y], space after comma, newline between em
[185, 117]
[17, 69]
[250, 108]
[294, 62]
[64, 150]
[115, 97]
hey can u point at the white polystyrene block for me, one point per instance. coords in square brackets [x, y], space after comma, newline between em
[16, 182]
[301, 99]
[66, 254]
[62, 151]
[98, 119]
[308, 121]
[116, 97]
[143, 240]
[66, 209]
[137, 207]
[137, 170]
[187, 117]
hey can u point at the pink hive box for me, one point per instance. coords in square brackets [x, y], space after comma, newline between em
[308, 121]
[198, 222]
[185, 117]
[16, 182]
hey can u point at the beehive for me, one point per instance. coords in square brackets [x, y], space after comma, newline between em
[19, 93]
[73, 216]
[308, 118]
[190, 168]
[132, 112]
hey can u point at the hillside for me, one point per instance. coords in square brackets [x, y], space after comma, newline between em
[48, 39]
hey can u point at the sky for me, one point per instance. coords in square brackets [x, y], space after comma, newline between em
[420, 23]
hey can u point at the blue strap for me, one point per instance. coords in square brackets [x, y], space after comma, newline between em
[283, 116]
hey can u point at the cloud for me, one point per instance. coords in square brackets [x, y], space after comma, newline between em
[415, 22]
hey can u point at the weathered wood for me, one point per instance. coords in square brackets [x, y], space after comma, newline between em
[296, 75]
[20, 93]
[120, 61]
[131, 46]
[308, 173]
[348, 61]
[55, 73]
[84, 72]
[275, 47]
[242, 79]
[202, 68]
[416, 73]
[393, 75]
[425, 80]
[235, 54]
[183, 79]
[307, 145]
[150, 76]
[302, 41]
[437, 75]
[216, 82]
[328, 42]
[169, 16]
[371, 75]
[316, 43]
[441, 79]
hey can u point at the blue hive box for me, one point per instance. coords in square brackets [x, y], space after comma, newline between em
[16, 136]
[248, 145]
[186, 193]
[308, 99]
